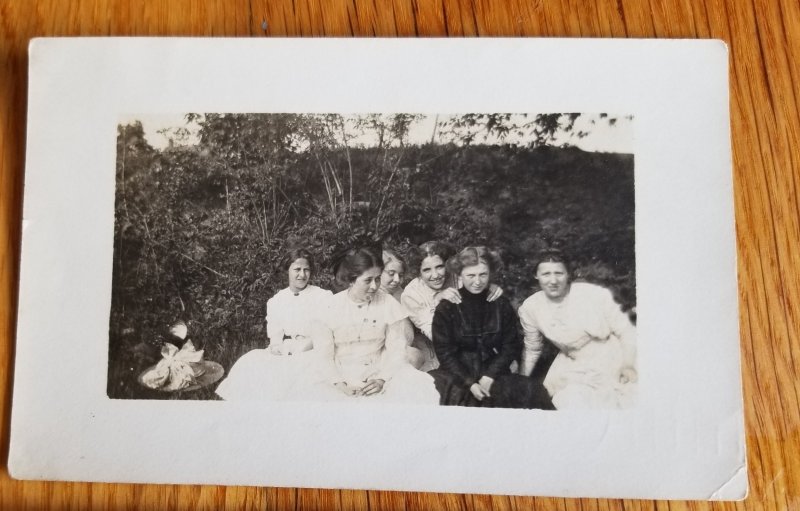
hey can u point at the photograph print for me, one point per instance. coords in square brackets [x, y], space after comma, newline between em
[480, 260]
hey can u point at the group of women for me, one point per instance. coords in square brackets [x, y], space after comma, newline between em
[448, 337]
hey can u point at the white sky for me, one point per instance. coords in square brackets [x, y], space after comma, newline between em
[601, 136]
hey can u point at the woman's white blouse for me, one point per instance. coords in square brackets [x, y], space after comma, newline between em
[588, 313]
[359, 341]
[293, 314]
[419, 299]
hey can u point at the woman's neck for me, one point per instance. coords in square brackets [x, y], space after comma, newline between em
[365, 299]
[468, 295]
[394, 294]
[560, 299]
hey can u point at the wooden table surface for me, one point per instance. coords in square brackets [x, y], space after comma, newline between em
[764, 41]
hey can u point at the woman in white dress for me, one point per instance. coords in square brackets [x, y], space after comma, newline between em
[359, 341]
[269, 374]
[595, 367]
[432, 285]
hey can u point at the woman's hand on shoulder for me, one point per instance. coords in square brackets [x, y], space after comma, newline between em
[495, 292]
[449, 294]
[373, 387]
[628, 375]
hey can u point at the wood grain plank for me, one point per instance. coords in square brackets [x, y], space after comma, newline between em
[673, 19]
[13, 104]
[765, 343]
[429, 18]
[460, 18]
[353, 500]
[638, 18]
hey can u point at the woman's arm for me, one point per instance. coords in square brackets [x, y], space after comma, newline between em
[408, 331]
[274, 329]
[324, 350]
[624, 330]
[395, 355]
[418, 312]
[444, 343]
[532, 349]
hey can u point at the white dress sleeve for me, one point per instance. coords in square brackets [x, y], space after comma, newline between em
[419, 310]
[395, 343]
[622, 328]
[324, 347]
[274, 324]
[395, 351]
[533, 337]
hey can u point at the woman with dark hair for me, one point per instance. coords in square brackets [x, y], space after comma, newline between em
[477, 340]
[359, 340]
[431, 286]
[595, 367]
[291, 311]
[270, 373]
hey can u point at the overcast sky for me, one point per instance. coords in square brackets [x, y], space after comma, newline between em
[601, 136]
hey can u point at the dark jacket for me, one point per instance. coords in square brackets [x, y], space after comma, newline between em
[476, 338]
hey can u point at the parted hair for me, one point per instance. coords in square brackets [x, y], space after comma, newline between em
[356, 261]
[552, 255]
[471, 256]
[293, 255]
[429, 249]
[390, 256]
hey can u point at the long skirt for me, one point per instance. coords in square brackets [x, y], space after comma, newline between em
[507, 391]
[406, 385]
[588, 378]
[259, 375]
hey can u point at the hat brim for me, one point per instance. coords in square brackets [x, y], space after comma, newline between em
[211, 374]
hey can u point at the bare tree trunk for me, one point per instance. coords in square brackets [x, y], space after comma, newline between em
[274, 204]
[227, 198]
[435, 125]
[350, 170]
[328, 190]
[387, 189]
[264, 213]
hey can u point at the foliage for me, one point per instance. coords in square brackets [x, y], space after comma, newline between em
[199, 229]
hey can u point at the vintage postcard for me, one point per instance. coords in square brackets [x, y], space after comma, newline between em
[487, 266]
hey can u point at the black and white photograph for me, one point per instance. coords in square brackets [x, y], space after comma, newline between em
[481, 260]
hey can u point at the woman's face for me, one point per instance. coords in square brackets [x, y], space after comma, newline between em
[431, 272]
[366, 285]
[553, 279]
[392, 276]
[299, 274]
[475, 278]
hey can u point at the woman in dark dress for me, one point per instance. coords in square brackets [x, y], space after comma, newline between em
[476, 341]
